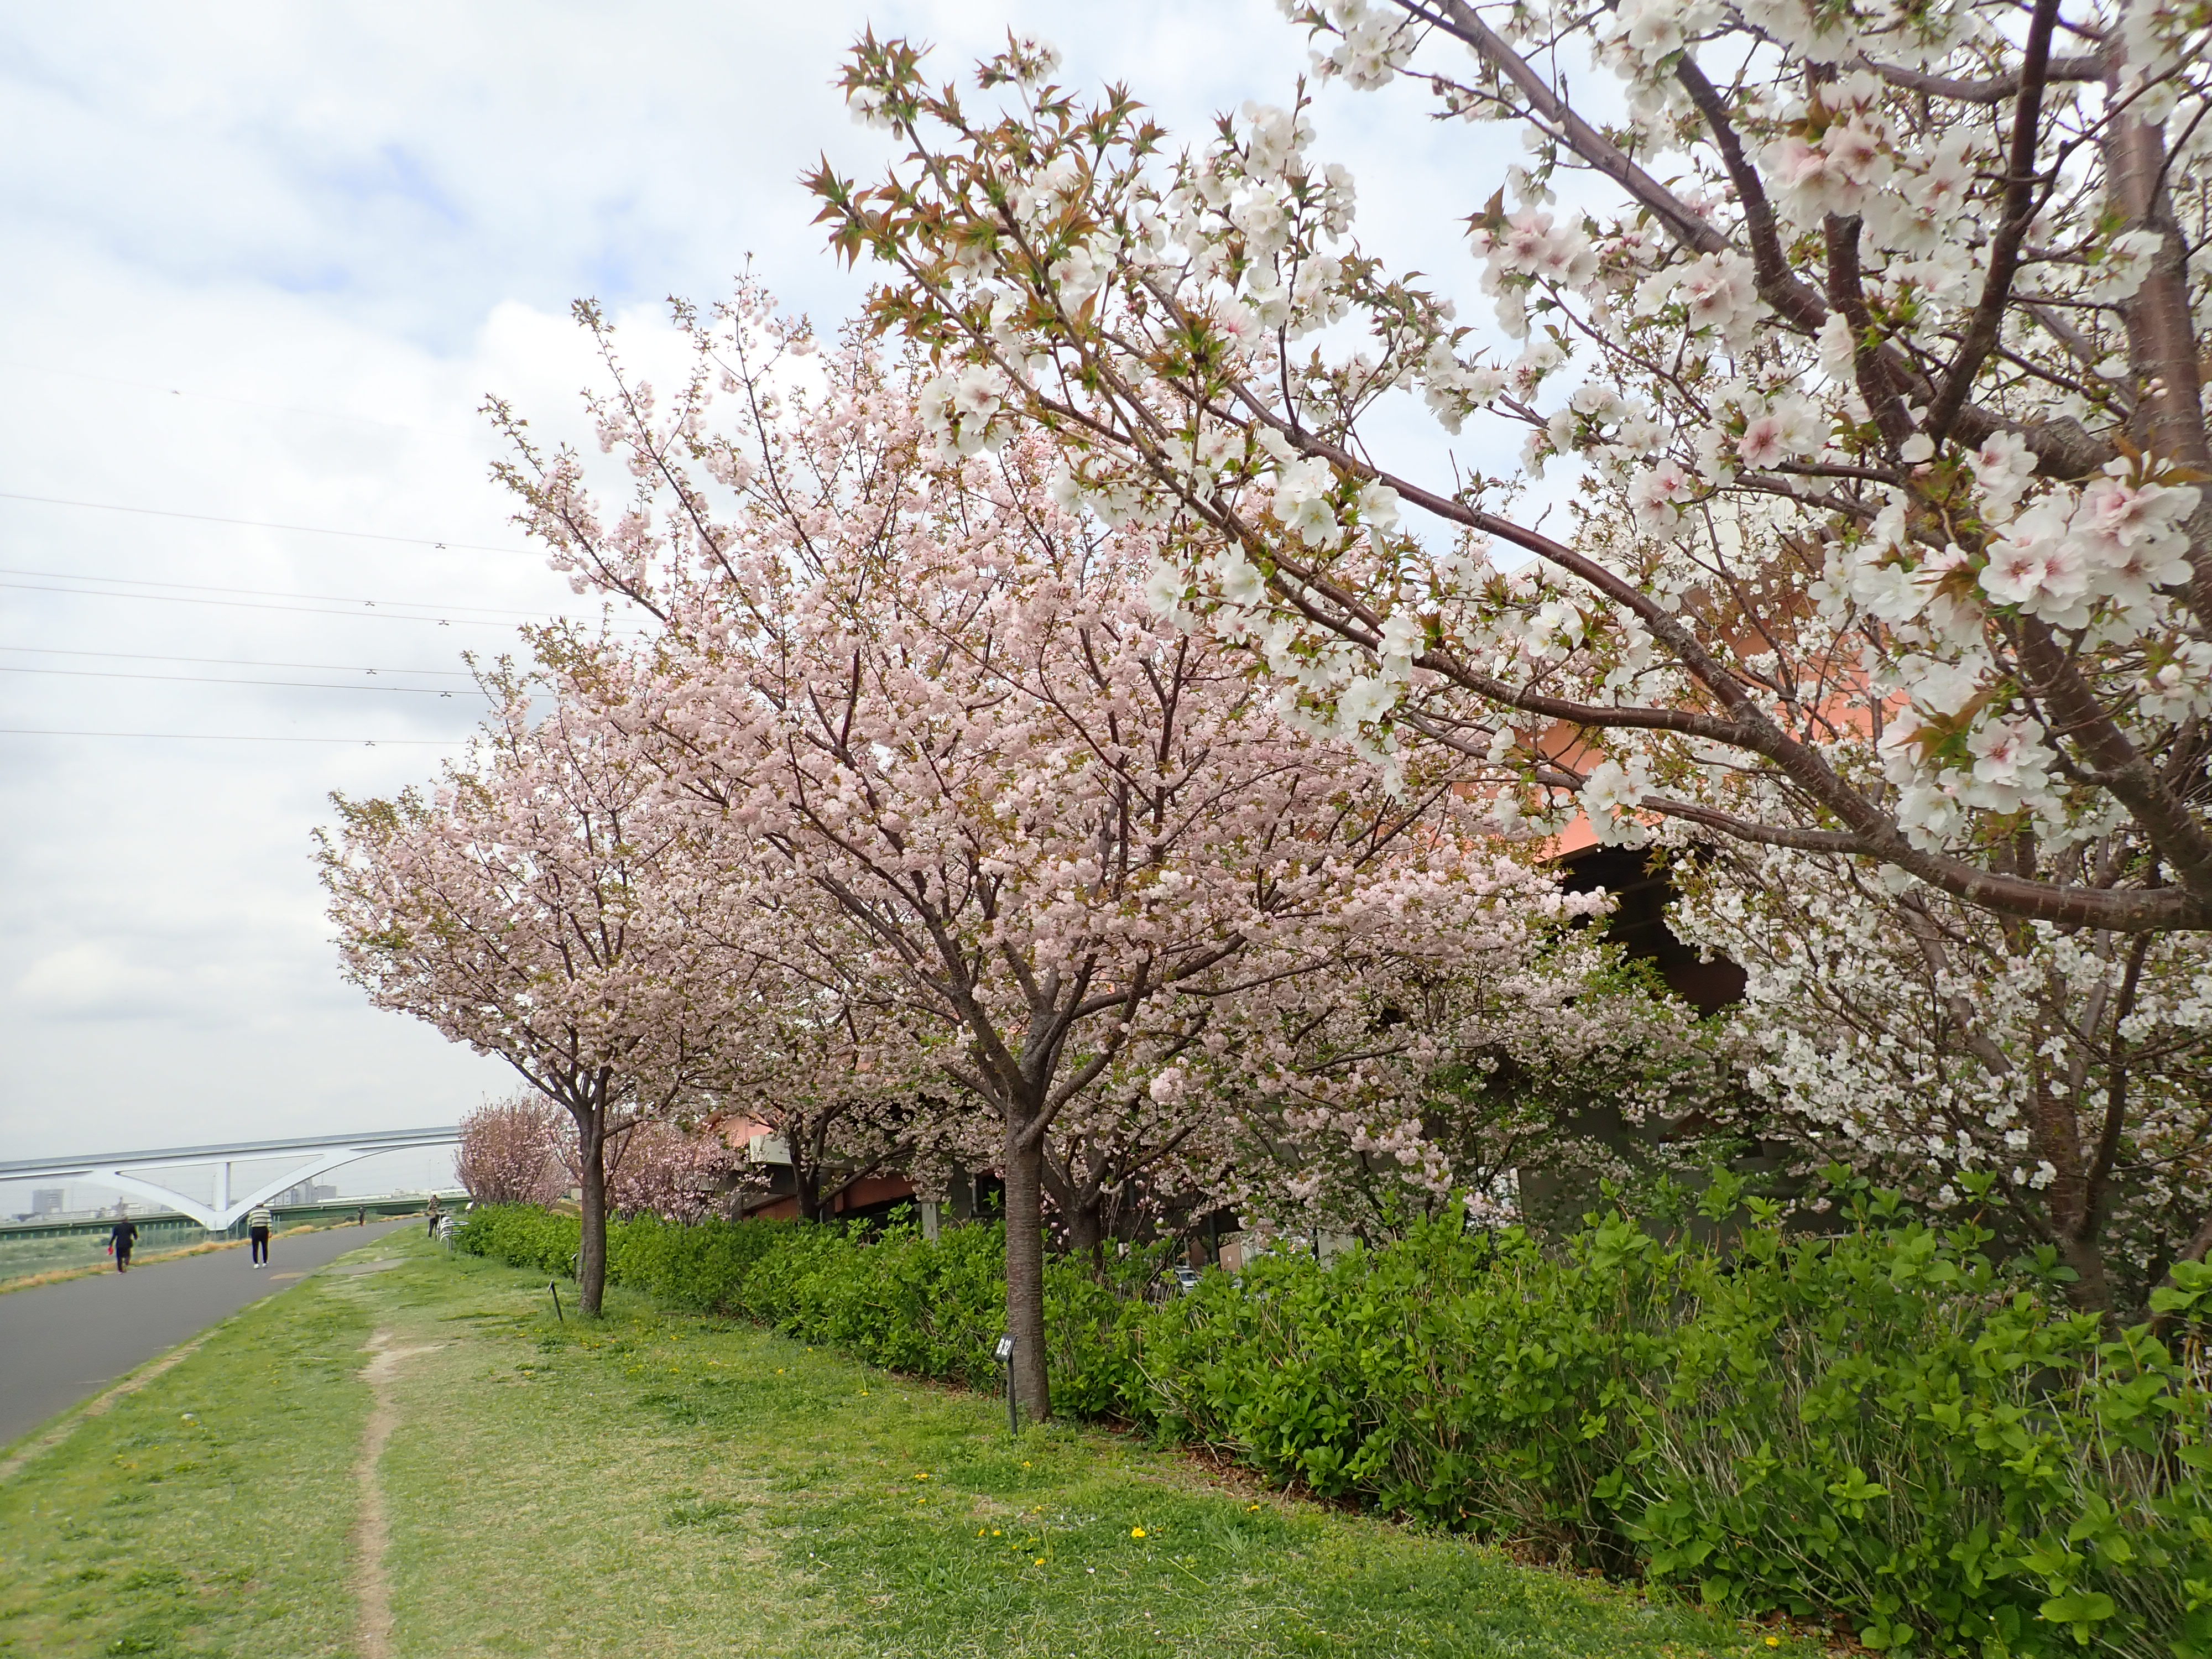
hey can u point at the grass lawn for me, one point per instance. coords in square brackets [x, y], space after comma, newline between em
[23, 1259]
[35, 1254]
[660, 1485]
[25, 1263]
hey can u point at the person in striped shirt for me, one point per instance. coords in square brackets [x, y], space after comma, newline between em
[257, 1229]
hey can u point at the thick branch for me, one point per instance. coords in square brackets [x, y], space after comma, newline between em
[1457, 18]
[1790, 295]
[2020, 205]
[2131, 776]
[2162, 349]
[1995, 90]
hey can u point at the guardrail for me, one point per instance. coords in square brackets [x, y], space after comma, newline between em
[169, 1228]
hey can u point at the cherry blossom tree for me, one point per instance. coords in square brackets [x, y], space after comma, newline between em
[659, 1166]
[2060, 1078]
[1870, 341]
[514, 910]
[1136, 1155]
[915, 692]
[818, 1054]
[509, 1151]
[1507, 1085]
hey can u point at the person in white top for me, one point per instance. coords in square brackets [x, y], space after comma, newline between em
[257, 1229]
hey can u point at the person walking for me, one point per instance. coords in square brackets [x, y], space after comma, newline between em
[120, 1239]
[360, 1216]
[257, 1229]
[434, 1216]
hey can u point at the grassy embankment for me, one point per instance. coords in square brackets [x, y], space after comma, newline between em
[662, 1485]
[26, 1263]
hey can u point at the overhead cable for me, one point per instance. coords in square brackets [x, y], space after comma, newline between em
[234, 662]
[208, 397]
[216, 679]
[258, 523]
[379, 615]
[229, 737]
[274, 593]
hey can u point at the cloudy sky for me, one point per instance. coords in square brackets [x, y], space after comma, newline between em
[265, 263]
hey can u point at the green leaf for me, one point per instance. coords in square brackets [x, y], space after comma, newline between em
[2082, 1609]
[1856, 1488]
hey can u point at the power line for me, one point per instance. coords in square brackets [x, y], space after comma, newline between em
[257, 523]
[249, 605]
[207, 396]
[215, 679]
[234, 662]
[268, 593]
[229, 737]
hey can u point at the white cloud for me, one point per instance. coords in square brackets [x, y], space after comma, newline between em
[265, 262]
[95, 982]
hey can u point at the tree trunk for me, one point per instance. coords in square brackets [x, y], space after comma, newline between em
[960, 1197]
[1026, 1273]
[1086, 1230]
[591, 1254]
[806, 1185]
[1074, 1200]
[2071, 1205]
[2091, 1290]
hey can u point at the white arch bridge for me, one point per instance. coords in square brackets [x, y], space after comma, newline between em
[135, 1172]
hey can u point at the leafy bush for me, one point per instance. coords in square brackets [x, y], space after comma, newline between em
[702, 1265]
[1884, 1424]
[892, 1299]
[888, 1297]
[523, 1236]
[1877, 1424]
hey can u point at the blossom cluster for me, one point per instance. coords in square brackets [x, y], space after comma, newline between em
[1848, 397]
[990, 858]
[2060, 1076]
[1858, 349]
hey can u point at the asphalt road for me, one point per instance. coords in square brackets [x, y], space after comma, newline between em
[60, 1344]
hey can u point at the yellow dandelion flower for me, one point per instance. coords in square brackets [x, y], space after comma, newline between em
[1136, 1532]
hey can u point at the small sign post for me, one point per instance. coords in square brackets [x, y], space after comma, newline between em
[1005, 1357]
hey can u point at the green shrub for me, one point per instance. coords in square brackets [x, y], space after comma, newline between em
[522, 1235]
[892, 1299]
[1883, 1425]
[701, 1266]
[1880, 1425]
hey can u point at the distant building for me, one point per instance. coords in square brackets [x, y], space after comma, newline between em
[308, 1192]
[1641, 891]
[46, 1200]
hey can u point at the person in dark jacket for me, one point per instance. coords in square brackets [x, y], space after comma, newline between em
[120, 1239]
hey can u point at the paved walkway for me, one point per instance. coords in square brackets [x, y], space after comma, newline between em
[60, 1344]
